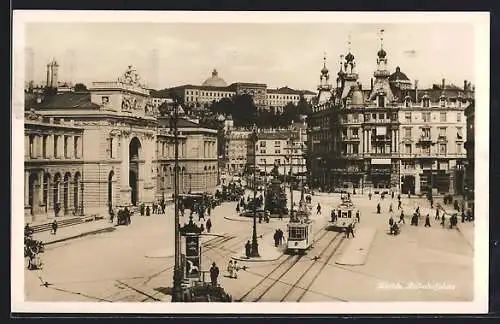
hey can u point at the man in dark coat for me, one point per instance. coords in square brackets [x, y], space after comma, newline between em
[54, 227]
[427, 221]
[276, 238]
[378, 208]
[248, 248]
[214, 274]
[402, 217]
[349, 230]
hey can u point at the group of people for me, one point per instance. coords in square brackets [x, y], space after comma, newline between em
[31, 248]
[278, 237]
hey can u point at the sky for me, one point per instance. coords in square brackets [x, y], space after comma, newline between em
[278, 54]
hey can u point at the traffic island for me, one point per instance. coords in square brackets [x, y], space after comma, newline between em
[357, 249]
[267, 250]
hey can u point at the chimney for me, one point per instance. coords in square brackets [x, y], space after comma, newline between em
[442, 83]
[371, 84]
[465, 85]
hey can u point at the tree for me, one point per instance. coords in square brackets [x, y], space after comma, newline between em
[80, 87]
[289, 114]
[303, 107]
[244, 110]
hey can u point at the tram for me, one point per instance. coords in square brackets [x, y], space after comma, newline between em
[344, 216]
[300, 230]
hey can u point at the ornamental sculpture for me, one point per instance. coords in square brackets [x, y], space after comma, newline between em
[130, 77]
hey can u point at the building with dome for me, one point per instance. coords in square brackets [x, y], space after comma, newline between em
[214, 80]
[391, 135]
[215, 88]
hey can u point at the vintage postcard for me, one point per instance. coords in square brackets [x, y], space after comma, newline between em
[251, 162]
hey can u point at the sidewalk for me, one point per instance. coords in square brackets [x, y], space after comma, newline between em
[267, 250]
[467, 230]
[75, 231]
[358, 248]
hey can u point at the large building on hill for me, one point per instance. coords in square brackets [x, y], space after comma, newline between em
[391, 135]
[108, 147]
[215, 89]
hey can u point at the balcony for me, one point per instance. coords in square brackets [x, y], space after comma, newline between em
[425, 139]
[379, 139]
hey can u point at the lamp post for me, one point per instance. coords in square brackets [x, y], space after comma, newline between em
[290, 178]
[177, 290]
[255, 246]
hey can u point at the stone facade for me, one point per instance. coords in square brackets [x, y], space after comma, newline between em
[125, 148]
[388, 136]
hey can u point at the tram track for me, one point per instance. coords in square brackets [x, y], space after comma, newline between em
[299, 289]
[276, 288]
[259, 290]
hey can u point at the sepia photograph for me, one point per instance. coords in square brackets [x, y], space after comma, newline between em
[307, 162]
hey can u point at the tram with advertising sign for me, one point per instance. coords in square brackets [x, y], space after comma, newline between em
[300, 230]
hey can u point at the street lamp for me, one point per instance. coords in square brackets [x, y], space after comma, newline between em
[177, 289]
[255, 246]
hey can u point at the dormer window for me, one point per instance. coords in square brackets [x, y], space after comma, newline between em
[442, 101]
[381, 101]
[407, 102]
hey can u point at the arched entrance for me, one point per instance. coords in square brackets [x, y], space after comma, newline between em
[55, 195]
[76, 195]
[110, 190]
[408, 184]
[134, 154]
[67, 178]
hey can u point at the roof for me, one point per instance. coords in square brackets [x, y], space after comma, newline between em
[215, 80]
[398, 76]
[68, 100]
[203, 87]
[247, 84]
[181, 123]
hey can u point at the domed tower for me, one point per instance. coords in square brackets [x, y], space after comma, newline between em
[215, 80]
[324, 87]
[399, 80]
[350, 76]
[381, 89]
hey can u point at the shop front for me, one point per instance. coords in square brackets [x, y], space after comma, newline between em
[380, 173]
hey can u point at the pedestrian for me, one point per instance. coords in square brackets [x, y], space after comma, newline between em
[230, 269]
[402, 218]
[209, 225]
[349, 230]
[357, 216]
[280, 236]
[318, 212]
[111, 215]
[238, 208]
[248, 248]
[378, 208]
[399, 196]
[427, 221]
[432, 203]
[390, 208]
[142, 208]
[369, 196]
[392, 194]
[54, 227]
[148, 211]
[202, 227]
[214, 274]
[442, 220]
[276, 238]
[463, 217]
[437, 215]
[399, 204]
[391, 221]
[235, 269]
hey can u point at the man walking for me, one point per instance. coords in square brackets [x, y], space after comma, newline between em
[349, 230]
[248, 248]
[399, 202]
[427, 221]
[209, 225]
[318, 212]
[54, 227]
[378, 208]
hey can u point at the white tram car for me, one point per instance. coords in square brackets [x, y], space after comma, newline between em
[300, 231]
[345, 215]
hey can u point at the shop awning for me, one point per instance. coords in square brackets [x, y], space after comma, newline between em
[381, 161]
